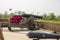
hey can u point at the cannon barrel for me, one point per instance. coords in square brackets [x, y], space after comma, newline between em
[28, 15]
[40, 35]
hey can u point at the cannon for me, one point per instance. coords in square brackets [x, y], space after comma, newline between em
[28, 15]
[39, 35]
[29, 23]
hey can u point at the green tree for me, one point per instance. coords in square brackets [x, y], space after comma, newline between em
[10, 15]
[20, 12]
[52, 16]
[45, 16]
[1, 15]
[6, 15]
[58, 18]
[23, 13]
[38, 13]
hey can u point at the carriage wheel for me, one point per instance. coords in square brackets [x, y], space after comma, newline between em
[31, 28]
[9, 28]
[36, 28]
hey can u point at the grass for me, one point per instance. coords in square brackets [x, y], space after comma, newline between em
[50, 21]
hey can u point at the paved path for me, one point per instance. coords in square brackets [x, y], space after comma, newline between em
[18, 35]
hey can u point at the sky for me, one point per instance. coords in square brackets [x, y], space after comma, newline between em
[31, 6]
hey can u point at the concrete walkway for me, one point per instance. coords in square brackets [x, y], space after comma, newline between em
[18, 35]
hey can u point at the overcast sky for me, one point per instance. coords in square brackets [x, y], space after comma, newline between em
[31, 6]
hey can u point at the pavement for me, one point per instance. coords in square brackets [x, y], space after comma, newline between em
[20, 34]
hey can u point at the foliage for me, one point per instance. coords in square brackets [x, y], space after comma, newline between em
[45, 16]
[51, 21]
[21, 12]
[6, 15]
[1, 15]
[58, 18]
[50, 16]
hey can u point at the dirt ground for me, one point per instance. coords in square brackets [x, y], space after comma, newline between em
[19, 34]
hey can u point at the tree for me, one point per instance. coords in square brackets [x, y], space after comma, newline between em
[58, 18]
[5, 15]
[20, 12]
[23, 12]
[11, 14]
[52, 16]
[45, 16]
[38, 13]
[1, 15]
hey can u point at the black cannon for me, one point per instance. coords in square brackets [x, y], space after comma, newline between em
[39, 35]
[28, 15]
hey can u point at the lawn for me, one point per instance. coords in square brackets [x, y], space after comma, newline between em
[50, 21]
